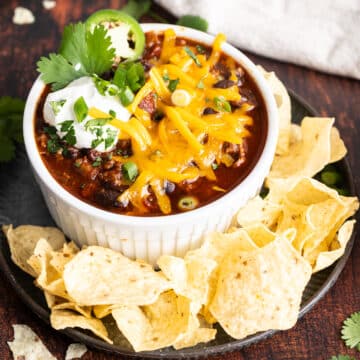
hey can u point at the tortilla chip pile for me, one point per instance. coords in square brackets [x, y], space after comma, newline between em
[248, 280]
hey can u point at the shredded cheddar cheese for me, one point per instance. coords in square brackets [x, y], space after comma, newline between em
[184, 144]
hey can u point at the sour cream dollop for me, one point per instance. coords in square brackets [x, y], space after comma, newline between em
[59, 107]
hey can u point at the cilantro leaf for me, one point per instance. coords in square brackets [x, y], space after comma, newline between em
[193, 21]
[11, 115]
[56, 70]
[342, 357]
[81, 53]
[137, 8]
[350, 331]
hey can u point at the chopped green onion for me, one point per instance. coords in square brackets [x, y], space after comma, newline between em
[126, 96]
[173, 84]
[166, 76]
[130, 170]
[214, 166]
[193, 56]
[109, 141]
[331, 177]
[112, 113]
[80, 109]
[188, 203]
[97, 162]
[57, 105]
[221, 104]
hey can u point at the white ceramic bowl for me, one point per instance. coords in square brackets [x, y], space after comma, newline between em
[149, 237]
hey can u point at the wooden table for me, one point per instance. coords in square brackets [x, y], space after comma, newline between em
[317, 335]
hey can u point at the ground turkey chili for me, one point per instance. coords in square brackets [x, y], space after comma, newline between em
[109, 179]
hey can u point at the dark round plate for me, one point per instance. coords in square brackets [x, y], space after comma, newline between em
[21, 203]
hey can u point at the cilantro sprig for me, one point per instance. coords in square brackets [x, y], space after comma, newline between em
[82, 53]
[350, 331]
[11, 114]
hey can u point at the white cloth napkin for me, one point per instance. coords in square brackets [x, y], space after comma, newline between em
[320, 34]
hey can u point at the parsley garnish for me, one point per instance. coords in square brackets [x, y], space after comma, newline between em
[193, 21]
[350, 331]
[111, 136]
[193, 56]
[66, 125]
[81, 53]
[96, 122]
[11, 115]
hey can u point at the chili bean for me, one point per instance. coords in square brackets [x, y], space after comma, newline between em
[209, 111]
[224, 84]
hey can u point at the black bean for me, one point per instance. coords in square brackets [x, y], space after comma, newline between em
[106, 197]
[92, 155]
[224, 84]
[209, 111]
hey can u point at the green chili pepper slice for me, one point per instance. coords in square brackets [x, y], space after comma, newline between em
[127, 37]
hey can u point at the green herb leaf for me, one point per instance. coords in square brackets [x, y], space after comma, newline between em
[57, 105]
[81, 53]
[173, 84]
[53, 146]
[96, 142]
[137, 8]
[120, 77]
[112, 113]
[193, 56]
[130, 170]
[342, 357]
[66, 125]
[96, 122]
[109, 141]
[11, 115]
[200, 49]
[135, 76]
[350, 331]
[193, 21]
[97, 162]
[70, 137]
[221, 104]
[80, 109]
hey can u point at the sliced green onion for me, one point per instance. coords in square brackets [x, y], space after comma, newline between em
[221, 104]
[200, 49]
[200, 84]
[331, 177]
[80, 109]
[214, 166]
[112, 113]
[57, 105]
[193, 56]
[130, 170]
[173, 84]
[188, 203]
[126, 96]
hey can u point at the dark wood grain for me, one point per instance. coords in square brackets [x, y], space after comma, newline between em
[317, 335]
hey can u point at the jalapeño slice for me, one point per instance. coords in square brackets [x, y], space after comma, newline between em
[127, 37]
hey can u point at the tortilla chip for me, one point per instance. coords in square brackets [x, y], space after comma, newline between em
[83, 310]
[308, 156]
[189, 277]
[338, 149]
[23, 239]
[337, 248]
[75, 351]
[62, 319]
[101, 311]
[260, 290]
[283, 104]
[101, 276]
[27, 345]
[154, 326]
[259, 211]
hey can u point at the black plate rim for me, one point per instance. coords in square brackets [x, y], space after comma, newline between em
[98, 344]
